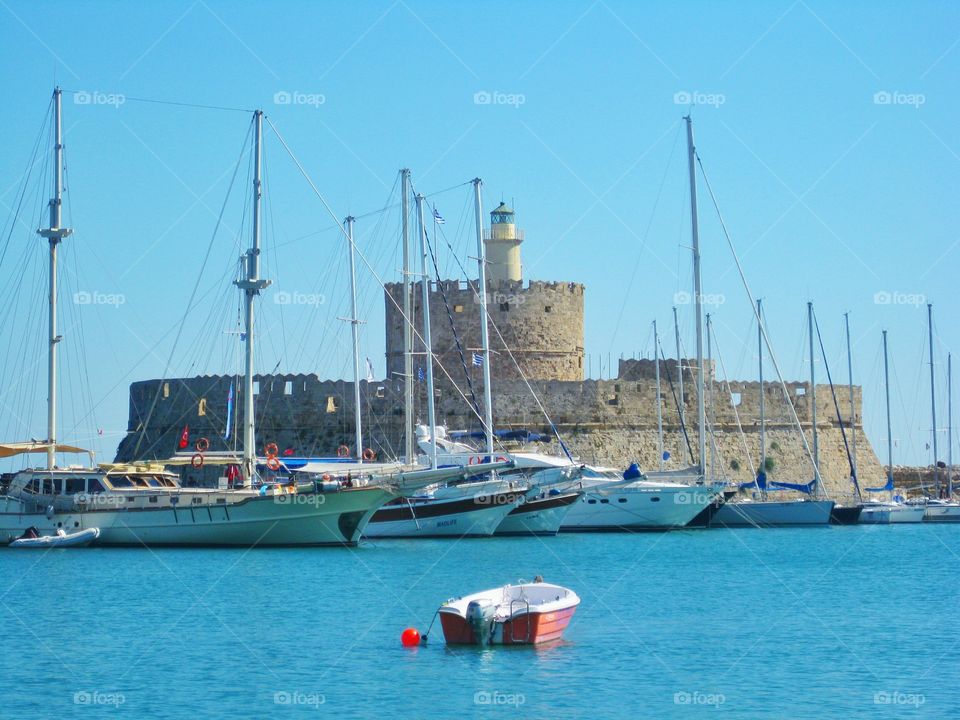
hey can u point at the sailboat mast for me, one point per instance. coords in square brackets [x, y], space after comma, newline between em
[484, 329]
[698, 295]
[933, 398]
[355, 336]
[683, 399]
[813, 397]
[427, 338]
[408, 439]
[251, 287]
[949, 426]
[54, 235]
[886, 388]
[713, 444]
[853, 420]
[763, 418]
[656, 365]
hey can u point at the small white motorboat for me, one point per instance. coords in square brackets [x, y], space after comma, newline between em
[81, 538]
[526, 614]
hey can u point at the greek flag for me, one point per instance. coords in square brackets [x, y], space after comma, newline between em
[437, 217]
[477, 360]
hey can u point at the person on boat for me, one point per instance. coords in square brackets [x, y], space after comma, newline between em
[30, 533]
[538, 579]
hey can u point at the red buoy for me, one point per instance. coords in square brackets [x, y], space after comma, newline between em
[410, 637]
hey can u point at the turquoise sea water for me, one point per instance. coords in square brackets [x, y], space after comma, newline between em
[827, 622]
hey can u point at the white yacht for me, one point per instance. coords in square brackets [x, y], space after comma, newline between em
[630, 501]
[942, 511]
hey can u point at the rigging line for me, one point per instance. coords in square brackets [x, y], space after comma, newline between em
[646, 234]
[155, 101]
[676, 404]
[196, 285]
[836, 405]
[453, 328]
[371, 213]
[753, 306]
[736, 413]
[513, 359]
[34, 159]
[363, 257]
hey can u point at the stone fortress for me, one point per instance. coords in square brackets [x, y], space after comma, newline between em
[605, 422]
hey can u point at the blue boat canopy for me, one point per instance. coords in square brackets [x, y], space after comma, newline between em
[886, 488]
[799, 487]
[760, 482]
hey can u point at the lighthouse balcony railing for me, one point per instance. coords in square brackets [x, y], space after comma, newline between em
[488, 235]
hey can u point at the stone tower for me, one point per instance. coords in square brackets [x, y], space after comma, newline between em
[541, 323]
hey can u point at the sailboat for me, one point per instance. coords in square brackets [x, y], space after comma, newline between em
[942, 509]
[777, 513]
[895, 510]
[145, 504]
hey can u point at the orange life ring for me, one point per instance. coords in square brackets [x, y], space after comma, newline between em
[474, 460]
[343, 451]
[271, 449]
[273, 462]
[202, 445]
[197, 461]
[369, 455]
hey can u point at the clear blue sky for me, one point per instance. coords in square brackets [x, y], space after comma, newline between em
[831, 194]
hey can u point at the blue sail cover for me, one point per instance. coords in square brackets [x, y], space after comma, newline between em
[886, 488]
[760, 482]
[804, 488]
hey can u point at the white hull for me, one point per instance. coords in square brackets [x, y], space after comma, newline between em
[541, 516]
[636, 507]
[891, 514]
[774, 513]
[475, 516]
[335, 518]
[945, 513]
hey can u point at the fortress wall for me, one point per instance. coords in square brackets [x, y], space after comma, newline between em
[610, 422]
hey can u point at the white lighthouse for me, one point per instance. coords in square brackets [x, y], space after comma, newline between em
[503, 247]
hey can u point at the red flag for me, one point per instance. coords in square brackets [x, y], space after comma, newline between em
[288, 452]
[184, 437]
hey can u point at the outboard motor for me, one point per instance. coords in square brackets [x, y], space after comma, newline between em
[480, 617]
